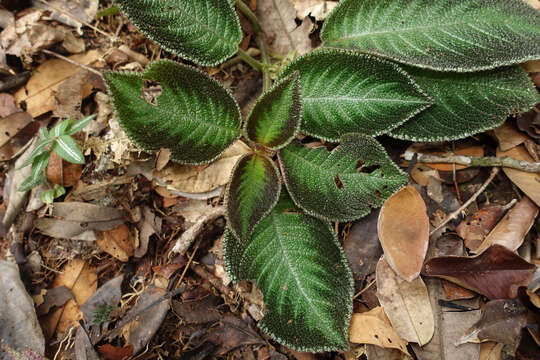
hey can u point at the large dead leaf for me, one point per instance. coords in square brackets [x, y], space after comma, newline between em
[19, 326]
[529, 183]
[406, 304]
[497, 273]
[403, 230]
[452, 245]
[373, 327]
[12, 124]
[319, 9]
[474, 229]
[180, 179]
[508, 136]
[277, 19]
[511, 230]
[501, 321]
[108, 294]
[70, 95]
[38, 93]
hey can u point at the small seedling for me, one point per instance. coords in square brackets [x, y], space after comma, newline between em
[437, 70]
[60, 140]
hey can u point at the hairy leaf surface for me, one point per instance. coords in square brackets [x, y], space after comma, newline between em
[342, 185]
[195, 117]
[446, 35]
[346, 92]
[275, 118]
[297, 263]
[206, 32]
[466, 104]
[252, 192]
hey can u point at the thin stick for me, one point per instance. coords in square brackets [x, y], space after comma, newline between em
[185, 240]
[68, 14]
[364, 289]
[72, 62]
[476, 161]
[455, 214]
[251, 61]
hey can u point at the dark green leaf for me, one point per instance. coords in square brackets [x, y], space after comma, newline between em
[342, 185]
[74, 128]
[252, 192]
[275, 118]
[454, 35]
[68, 150]
[206, 32]
[466, 104]
[346, 92]
[297, 263]
[195, 117]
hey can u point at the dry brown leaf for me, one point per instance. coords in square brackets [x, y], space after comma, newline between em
[70, 95]
[421, 173]
[12, 124]
[117, 242]
[38, 93]
[406, 304]
[529, 183]
[474, 229]
[403, 230]
[277, 19]
[84, 10]
[511, 230]
[200, 179]
[319, 9]
[508, 136]
[490, 351]
[374, 352]
[373, 327]
[7, 105]
[62, 172]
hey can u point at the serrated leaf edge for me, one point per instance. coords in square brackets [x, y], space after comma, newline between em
[228, 188]
[494, 65]
[184, 56]
[297, 99]
[319, 216]
[350, 294]
[141, 76]
[429, 101]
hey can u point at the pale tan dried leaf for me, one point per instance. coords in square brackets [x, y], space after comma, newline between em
[38, 93]
[508, 136]
[511, 230]
[406, 304]
[319, 9]
[73, 44]
[70, 95]
[529, 183]
[12, 124]
[490, 351]
[200, 179]
[403, 230]
[421, 173]
[277, 19]
[373, 327]
[534, 3]
[84, 10]
[117, 242]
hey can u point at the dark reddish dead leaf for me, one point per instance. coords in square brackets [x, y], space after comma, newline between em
[497, 273]
[198, 311]
[501, 321]
[511, 230]
[403, 229]
[111, 352]
[232, 333]
[62, 172]
[474, 229]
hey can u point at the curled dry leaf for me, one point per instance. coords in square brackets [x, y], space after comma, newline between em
[62, 172]
[473, 230]
[403, 229]
[319, 9]
[497, 273]
[501, 321]
[373, 327]
[406, 304]
[117, 242]
[529, 183]
[511, 230]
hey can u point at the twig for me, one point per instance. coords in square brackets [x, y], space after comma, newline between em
[212, 279]
[454, 214]
[88, 68]
[476, 161]
[70, 15]
[364, 289]
[186, 239]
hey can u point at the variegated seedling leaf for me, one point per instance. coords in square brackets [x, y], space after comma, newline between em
[75, 127]
[275, 118]
[342, 185]
[68, 149]
[449, 35]
[206, 32]
[252, 192]
[345, 92]
[298, 264]
[466, 104]
[194, 116]
[39, 163]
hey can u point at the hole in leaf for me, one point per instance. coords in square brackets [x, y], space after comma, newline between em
[338, 182]
[362, 168]
[150, 92]
[378, 194]
[389, 340]
[376, 336]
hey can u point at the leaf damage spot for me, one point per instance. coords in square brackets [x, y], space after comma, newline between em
[150, 92]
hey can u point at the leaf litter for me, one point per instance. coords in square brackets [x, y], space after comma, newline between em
[104, 250]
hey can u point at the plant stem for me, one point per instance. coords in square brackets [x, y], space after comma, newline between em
[257, 65]
[477, 161]
[259, 39]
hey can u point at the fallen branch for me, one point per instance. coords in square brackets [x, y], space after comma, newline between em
[476, 161]
[188, 237]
